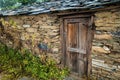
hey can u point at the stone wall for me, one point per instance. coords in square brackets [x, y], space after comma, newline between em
[29, 32]
[106, 45]
[107, 36]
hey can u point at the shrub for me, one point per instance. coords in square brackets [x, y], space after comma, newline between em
[26, 1]
[5, 3]
[16, 63]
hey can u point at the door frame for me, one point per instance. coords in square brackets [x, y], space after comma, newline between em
[90, 35]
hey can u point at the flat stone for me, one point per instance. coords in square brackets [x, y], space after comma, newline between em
[97, 49]
[52, 33]
[106, 28]
[97, 44]
[51, 27]
[104, 66]
[26, 25]
[31, 30]
[103, 14]
[103, 36]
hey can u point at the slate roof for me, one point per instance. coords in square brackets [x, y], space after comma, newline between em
[58, 5]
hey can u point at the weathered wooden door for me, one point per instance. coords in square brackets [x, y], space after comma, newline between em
[77, 36]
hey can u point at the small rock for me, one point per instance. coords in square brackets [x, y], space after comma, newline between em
[0, 77]
[98, 32]
[22, 37]
[118, 67]
[19, 27]
[26, 26]
[25, 78]
[106, 48]
[113, 70]
[55, 49]
[36, 50]
[68, 78]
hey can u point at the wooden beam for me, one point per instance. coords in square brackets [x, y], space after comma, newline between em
[87, 11]
[90, 36]
[62, 41]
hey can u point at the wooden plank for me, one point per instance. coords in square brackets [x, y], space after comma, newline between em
[80, 51]
[90, 36]
[62, 42]
[82, 46]
[65, 37]
[77, 20]
[71, 42]
[75, 16]
[81, 68]
[72, 35]
[73, 61]
[82, 36]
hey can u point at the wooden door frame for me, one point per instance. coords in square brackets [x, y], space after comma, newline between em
[90, 35]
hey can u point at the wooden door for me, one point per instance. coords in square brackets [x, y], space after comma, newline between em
[77, 43]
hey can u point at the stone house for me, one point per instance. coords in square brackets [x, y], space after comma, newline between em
[67, 28]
